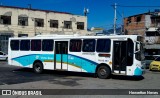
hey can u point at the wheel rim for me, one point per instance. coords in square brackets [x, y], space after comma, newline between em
[37, 68]
[102, 72]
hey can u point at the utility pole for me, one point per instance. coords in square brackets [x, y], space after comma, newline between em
[115, 18]
[122, 26]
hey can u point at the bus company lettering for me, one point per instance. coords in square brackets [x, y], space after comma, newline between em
[102, 60]
[90, 53]
[46, 58]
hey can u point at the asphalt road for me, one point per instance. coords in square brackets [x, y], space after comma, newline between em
[12, 77]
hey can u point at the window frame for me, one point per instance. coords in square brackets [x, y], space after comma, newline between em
[74, 43]
[22, 35]
[21, 19]
[94, 50]
[103, 46]
[37, 21]
[79, 25]
[138, 19]
[4, 17]
[17, 49]
[42, 42]
[54, 23]
[66, 23]
[129, 20]
[25, 44]
[33, 47]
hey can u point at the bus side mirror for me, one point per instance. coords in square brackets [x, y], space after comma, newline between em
[137, 47]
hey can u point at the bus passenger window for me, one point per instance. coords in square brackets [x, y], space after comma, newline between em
[35, 45]
[89, 45]
[103, 45]
[47, 45]
[14, 44]
[25, 45]
[75, 45]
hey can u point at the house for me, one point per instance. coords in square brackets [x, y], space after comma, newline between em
[147, 25]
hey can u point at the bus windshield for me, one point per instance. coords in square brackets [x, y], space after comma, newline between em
[140, 52]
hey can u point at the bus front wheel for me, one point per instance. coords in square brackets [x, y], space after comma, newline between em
[103, 72]
[38, 67]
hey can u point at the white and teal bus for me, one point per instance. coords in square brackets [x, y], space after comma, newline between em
[102, 55]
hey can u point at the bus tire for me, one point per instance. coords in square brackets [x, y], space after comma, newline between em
[38, 67]
[103, 72]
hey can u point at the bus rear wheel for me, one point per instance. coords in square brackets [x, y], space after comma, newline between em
[103, 72]
[38, 67]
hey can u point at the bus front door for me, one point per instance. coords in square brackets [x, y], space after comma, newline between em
[61, 55]
[119, 57]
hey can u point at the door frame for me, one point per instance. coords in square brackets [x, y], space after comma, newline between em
[55, 43]
[119, 71]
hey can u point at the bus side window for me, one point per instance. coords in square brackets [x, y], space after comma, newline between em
[14, 44]
[25, 45]
[75, 45]
[36, 45]
[89, 45]
[103, 45]
[47, 45]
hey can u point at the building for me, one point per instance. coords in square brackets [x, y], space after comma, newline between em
[135, 24]
[97, 31]
[147, 25]
[17, 21]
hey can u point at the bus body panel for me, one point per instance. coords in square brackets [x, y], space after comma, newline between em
[72, 61]
[75, 63]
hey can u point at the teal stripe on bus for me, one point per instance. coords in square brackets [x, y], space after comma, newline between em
[80, 62]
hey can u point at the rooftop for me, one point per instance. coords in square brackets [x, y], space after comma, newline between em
[146, 13]
[47, 11]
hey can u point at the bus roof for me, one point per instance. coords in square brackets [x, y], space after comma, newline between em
[75, 36]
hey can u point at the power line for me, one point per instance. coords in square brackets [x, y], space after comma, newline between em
[136, 6]
[119, 14]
